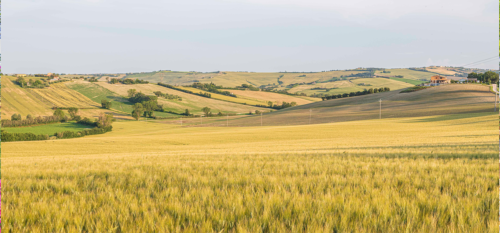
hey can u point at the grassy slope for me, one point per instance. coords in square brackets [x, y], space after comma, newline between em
[97, 94]
[352, 86]
[233, 79]
[22, 101]
[192, 102]
[441, 100]
[408, 74]
[375, 175]
[49, 129]
[410, 81]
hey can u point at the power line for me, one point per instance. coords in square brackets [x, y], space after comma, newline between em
[482, 62]
[479, 61]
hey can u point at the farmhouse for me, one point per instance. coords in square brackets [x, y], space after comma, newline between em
[50, 74]
[54, 79]
[438, 80]
[472, 80]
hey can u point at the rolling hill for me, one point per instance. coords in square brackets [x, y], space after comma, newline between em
[352, 85]
[441, 100]
[39, 102]
[189, 101]
[407, 74]
[233, 79]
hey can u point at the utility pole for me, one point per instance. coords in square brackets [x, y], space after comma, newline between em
[181, 121]
[496, 96]
[497, 92]
[380, 113]
[227, 120]
[201, 118]
[261, 119]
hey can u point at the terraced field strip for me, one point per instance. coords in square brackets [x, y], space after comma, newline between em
[273, 97]
[17, 100]
[226, 98]
[193, 103]
[410, 81]
[61, 96]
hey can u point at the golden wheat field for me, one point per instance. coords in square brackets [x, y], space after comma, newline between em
[422, 174]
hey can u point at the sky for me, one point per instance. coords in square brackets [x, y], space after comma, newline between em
[118, 36]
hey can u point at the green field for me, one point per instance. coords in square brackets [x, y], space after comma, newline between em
[424, 174]
[97, 94]
[49, 129]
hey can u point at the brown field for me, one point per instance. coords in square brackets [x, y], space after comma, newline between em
[441, 100]
[274, 97]
[441, 70]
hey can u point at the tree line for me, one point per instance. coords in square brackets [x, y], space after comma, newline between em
[364, 92]
[486, 77]
[211, 87]
[166, 95]
[102, 125]
[39, 83]
[283, 105]
[128, 81]
[208, 95]
[58, 116]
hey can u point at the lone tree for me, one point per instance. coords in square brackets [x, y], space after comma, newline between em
[104, 120]
[270, 104]
[206, 110]
[187, 113]
[59, 113]
[149, 107]
[72, 112]
[131, 92]
[15, 117]
[21, 81]
[138, 109]
[106, 104]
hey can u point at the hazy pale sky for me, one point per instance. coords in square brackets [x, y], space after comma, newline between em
[92, 36]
